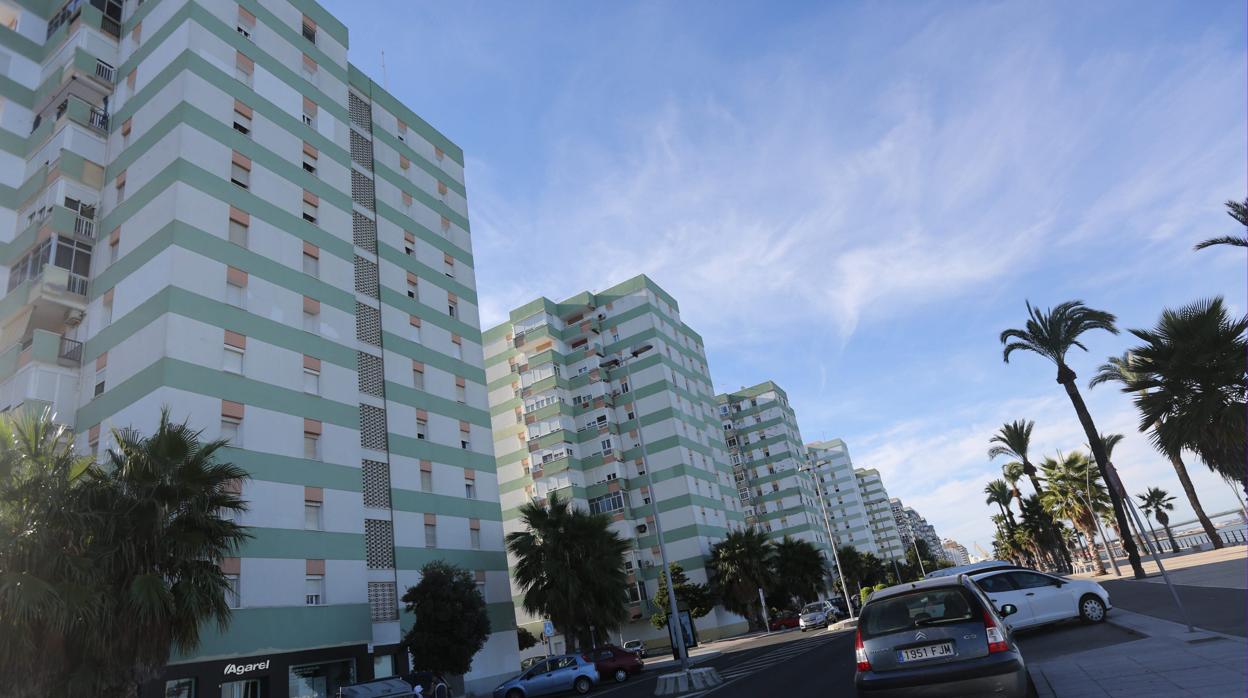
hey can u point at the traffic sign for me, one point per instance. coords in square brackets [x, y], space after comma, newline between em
[548, 629]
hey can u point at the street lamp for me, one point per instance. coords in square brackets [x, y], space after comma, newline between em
[823, 507]
[673, 618]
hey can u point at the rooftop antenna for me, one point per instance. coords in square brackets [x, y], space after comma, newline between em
[385, 81]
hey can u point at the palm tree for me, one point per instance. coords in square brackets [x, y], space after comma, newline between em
[1014, 440]
[999, 493]
[740, 565]
[570, 568]
[1190, 386]
[799, 572]
[1239, 211]
[1156, 502]
[1077, 494]
[1012, 472]
[142, 541]
[1052, 334]
[1120, 369]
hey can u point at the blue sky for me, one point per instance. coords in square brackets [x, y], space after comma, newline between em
[852, 199]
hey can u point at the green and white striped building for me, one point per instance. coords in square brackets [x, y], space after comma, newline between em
[880, 514]
[847, 511]
[205, 206]
[770, 465]
[566, 420]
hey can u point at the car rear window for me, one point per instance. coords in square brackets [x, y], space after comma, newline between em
[917, 609]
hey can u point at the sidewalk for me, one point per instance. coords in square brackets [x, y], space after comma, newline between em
[1226, 568]
[1169, 662]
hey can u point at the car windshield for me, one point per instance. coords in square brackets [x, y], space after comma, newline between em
[812, 608]
[909, 611]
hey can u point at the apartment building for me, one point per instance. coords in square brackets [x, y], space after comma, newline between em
[879, 513]
[569, 407]
[847, 511]
[204, 206]
[955, 552]
[770, 465]
[914, 527]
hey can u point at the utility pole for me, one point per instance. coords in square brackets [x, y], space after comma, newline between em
[849, 607]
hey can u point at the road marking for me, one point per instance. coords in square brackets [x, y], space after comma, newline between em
[769, 659]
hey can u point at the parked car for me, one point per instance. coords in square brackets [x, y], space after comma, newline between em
[818, 614]
[530, 661]
[1044, 598]
[784, 621]
[637, 647]
[616, 662]
[566, 672]
[937, 638]
[971, 568]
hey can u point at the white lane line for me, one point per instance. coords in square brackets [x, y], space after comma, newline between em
[758, 664]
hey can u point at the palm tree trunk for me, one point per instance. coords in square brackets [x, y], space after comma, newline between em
[1156, 543]
[1090, 537]
[1171, 537]
[1066, 377]
[1190, 490]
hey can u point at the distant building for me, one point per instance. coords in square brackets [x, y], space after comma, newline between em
[879, 514]
[956, 552]
[847, 512]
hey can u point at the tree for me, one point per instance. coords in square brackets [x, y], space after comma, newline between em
[86, 550]
[524, 638]
[1076, 493]
[1120, 369]
[451, 622]
[570, 569]
[1052, 334]
[1156, 502]
[1190, 387]
[1013, 440]
[1238, 211]
[799, 573]
[690, 596]
[999, 493]
[740, 565]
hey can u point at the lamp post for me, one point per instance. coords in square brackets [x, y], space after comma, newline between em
[849, 607]
[673, 618]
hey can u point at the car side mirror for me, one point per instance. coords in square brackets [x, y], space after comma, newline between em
[1058, 583]
[1008, 610]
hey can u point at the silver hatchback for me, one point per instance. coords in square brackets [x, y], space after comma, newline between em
[936, 638]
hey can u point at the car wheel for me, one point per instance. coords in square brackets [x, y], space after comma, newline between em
[581, 685]
[515, 693]
[1091, 609]
[620, 675]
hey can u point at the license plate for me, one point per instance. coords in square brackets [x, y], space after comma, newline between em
[916, 654]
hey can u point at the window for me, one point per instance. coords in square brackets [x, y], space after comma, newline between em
[233, 359]
[311, 211]
[310, 158]
[238, 233]
[231, 599]
[311, 264]
[312, 516]
[422, 428]
[448, 267]
[465, 443]
[311, 381]
[607, 503]
[239, 175]
[623, 387]
[452, 309]
[121, 188]
[474, 536]
[461, 396]
[470, 489]
[99, 383]
[234, 295]
[426, 481]
[311, 321]
[309, 30]
[243, 68]
[185, 688]
[242, 119]
[107, 318]
[314, 590]
[418, 378]
[231, 431]
[114, 246]
[413, 290]
[431, 535]
[309, 113]
[311, 446]
[457, 350]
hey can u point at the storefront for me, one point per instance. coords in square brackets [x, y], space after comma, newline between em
[305, 674]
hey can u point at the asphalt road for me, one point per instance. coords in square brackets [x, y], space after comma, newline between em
[1213, 608]
[794, 665]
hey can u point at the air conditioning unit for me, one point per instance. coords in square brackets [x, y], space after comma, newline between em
[641, 528]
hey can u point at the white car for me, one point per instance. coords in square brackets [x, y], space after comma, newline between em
[1043, 598]
[819, 614]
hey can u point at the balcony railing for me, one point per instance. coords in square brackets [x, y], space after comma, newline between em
[84, 227]
[98, 119]
[104, 71]
[77, 284]
[71, 350]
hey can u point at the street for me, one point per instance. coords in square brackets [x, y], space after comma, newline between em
[822, 664]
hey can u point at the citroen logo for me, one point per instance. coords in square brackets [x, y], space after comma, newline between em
[920, 636]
